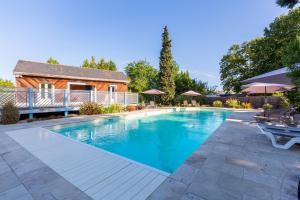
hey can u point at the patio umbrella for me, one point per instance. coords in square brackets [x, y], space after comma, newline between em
[191, 93]
[153, 92]
[265, 88]
[277, 76]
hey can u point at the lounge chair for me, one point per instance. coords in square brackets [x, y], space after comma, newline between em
[185, 103]
[194, 103]
[152, 104]
[273, 132]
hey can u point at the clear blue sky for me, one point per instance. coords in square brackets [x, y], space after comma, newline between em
[125, 31]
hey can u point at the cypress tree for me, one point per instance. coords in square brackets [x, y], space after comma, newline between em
[166, 64]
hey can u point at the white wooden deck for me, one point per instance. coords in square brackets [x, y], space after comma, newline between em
[100, 174]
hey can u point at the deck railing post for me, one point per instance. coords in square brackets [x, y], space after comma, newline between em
[125, 98]
[66, 102]
[30, 103]
[95, 94]
[109, 97]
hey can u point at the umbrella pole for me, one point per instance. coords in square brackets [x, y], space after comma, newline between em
[266, 101]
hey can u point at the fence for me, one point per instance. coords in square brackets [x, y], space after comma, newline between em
[256, 101]
[29, 99]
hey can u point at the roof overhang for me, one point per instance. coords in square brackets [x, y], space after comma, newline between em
[68, 77]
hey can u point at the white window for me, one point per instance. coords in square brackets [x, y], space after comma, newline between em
[46, 90]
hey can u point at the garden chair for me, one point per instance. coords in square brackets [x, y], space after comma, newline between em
[152, 104]
[185, 103]
[194, 103]
[274, 132]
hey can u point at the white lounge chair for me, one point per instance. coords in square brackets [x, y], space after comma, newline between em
[185, 103]
[194, 103]
[152, 104]
[273, 132]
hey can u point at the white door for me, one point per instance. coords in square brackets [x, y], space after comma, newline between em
[112, 89]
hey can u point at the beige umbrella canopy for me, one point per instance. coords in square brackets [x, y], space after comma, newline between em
[265, 88]
[153, 91]
[191, 93]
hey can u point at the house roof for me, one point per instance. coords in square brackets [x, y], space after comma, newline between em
[30, 68]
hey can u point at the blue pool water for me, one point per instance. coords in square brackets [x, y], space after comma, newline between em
[164, 141]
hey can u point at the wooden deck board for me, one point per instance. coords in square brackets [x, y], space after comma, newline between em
[100, 174]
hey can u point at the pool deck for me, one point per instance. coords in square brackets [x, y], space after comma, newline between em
[43, 165]
[234, 163]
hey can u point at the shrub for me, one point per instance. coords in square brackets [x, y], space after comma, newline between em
[233, 103]
[285, 102]
[246, 105]
[89, 108]
[10, 113]
[131, 108]
[217, 103]
[267, 106]
[114, 108]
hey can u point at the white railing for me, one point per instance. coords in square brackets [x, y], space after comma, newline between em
[37, 98]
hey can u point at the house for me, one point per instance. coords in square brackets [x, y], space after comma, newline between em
[48, 76]
[49, 79]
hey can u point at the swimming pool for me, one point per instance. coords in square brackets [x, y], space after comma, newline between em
[163, 142]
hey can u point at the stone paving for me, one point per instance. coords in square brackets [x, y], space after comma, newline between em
[25, 177]
[235, 163]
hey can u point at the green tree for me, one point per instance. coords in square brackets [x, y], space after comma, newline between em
[93, 63]
[166, 64]
[287, 3]
[142, 76]
[183, 82]
[102, 64]
[292, 60]
[52, 61]
[232, 68]
[110, 65]
[6, 83]
[86, 63]
[259, 55]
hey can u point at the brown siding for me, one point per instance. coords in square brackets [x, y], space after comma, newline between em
[28, 81]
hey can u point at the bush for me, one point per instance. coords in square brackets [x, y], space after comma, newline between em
[115, 108]
[233, 103]
[10, 113]
[285, 102]
[246, 105]
[89, 108]
[217, 103]
[267, 106]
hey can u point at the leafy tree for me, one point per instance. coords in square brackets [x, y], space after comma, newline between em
[259, 55]
[183, 82]
[86, 64]
[142, 76]
[6, 83]
[93, 63]
[52, 61]
[110, 65]
[166, 65]
[287, 3]
[102, 64]
[232, 68]
[292, 60]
